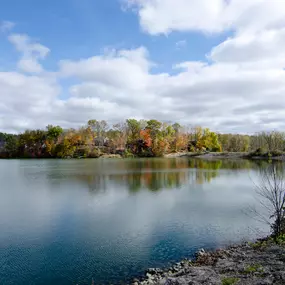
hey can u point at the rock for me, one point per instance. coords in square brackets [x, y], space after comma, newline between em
[226, 265]
[200, 252]
[149, 276]
[154, 271]
[104, 156]
[243, 263]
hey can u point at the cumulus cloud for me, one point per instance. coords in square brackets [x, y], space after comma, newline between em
[238, 87]
[262, 49]
[31, 53]
[26, 100]
[165, 16]
[116, 69]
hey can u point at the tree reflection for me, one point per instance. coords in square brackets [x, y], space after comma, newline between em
[151, 174]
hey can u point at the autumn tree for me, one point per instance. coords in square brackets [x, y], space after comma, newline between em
[99, 129]
[120, 135]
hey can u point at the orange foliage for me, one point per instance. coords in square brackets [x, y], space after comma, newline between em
[145, 135]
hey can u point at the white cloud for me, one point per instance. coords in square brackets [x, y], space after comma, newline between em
[116, 69]
[165, 16]
[262, 49]
[26, 100]
[238, 87]
[32, 53]
[117, 86]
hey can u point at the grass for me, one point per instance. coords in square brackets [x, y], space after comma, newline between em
[261, 244]
[254, 268]
[229, 281]
[281, 239]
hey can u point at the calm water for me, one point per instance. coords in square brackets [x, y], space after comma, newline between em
[68, 221]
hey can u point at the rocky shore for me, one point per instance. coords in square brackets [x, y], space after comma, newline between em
[231, 155]
[260, 263]
[224, 155]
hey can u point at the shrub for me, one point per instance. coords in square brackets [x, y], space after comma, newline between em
[276, 153]
[128, 154]
[281, 239]
[258, 152]
[95, 153]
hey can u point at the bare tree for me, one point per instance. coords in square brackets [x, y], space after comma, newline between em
[271, 195]
[272, 141]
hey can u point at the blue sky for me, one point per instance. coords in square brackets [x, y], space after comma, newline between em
[115, 59]
[82, 28]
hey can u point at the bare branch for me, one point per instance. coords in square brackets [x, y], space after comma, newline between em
[271, 196]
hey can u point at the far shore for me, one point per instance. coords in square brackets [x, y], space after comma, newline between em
[223, 155]
[201, 155]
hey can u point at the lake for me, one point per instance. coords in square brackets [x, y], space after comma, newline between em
[68, 221]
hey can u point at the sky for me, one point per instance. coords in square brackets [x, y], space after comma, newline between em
[217, 64]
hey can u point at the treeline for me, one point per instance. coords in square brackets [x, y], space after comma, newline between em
[131, 138]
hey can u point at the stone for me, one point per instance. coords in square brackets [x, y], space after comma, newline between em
[149, 276]
[246, 264]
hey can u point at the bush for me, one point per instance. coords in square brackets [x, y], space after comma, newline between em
[94, 153]
[276, 153]
[281, 239]
[258, 152]
[128, 154]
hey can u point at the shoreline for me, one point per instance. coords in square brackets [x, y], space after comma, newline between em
[206, 155]
[262, 262]
[224, 155]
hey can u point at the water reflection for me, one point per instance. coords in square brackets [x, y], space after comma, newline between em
[68, 221]
[145, 174]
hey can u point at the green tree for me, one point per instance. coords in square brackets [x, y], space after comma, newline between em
[133, 130]
[154, 126]
[53, 132]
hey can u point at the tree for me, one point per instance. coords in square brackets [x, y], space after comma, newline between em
[210, 141]
[11, 145]
[32, 143]
[133, 130]
[53, 132]
[120, 135]
[8, 145]
[268, 141]
[271, 192]
[176, 127]
[154, 126]
[99, 129]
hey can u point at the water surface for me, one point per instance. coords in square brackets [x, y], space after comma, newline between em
[68, 221]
